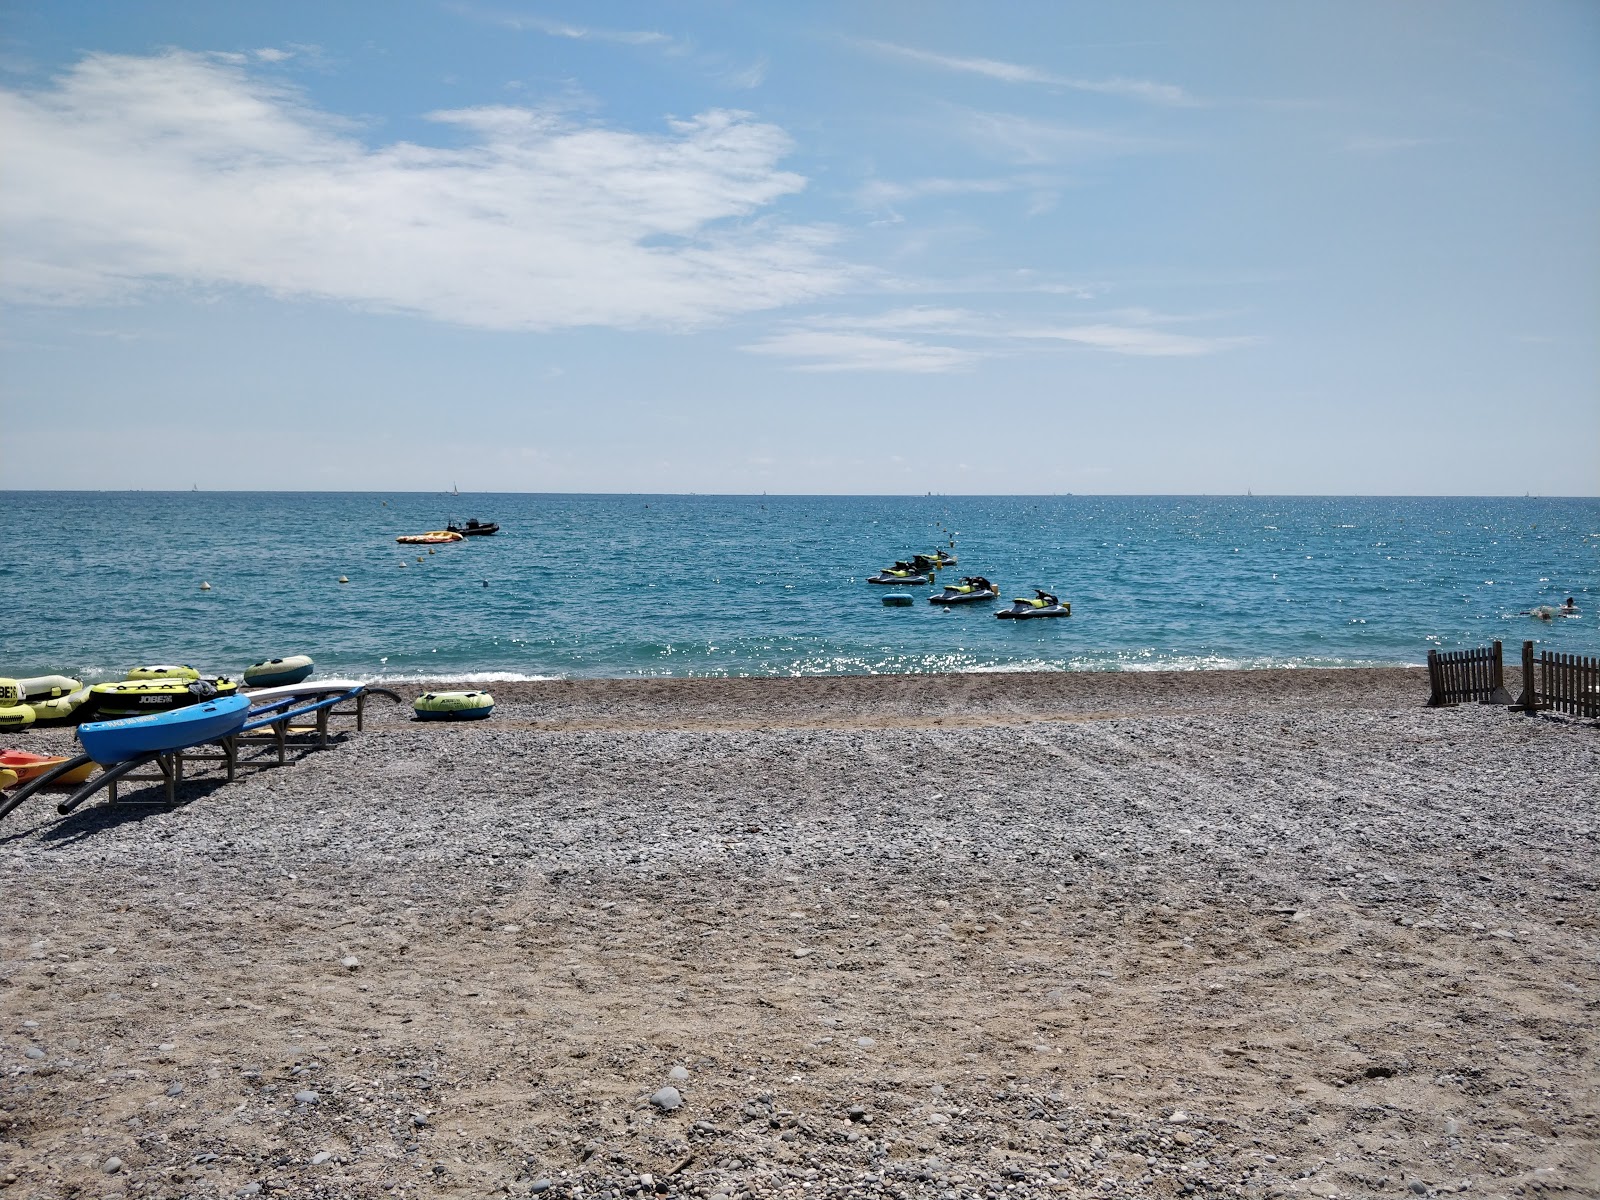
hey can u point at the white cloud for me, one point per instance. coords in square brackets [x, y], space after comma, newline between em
[1136, 89]
[829, 350]
[1124, 339]
[133, 172]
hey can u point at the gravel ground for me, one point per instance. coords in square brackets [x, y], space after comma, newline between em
[1231, 933]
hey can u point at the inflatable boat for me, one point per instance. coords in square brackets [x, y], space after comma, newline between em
[434, 537]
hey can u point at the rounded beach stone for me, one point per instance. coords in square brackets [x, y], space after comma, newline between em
[307, 1097]
[678, 1074]
[668, 1099]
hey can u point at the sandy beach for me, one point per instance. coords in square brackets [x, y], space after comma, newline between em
[1213, 933]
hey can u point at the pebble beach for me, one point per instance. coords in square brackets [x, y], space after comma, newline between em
[1240, 933]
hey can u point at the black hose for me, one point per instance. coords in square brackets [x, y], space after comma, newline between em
[39, 781]
[107, 777]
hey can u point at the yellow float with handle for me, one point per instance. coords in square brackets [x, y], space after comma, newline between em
[453, 706]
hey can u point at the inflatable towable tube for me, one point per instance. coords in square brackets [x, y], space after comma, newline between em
[136, 697]
[60, 710]
[16, 716]
[279, 672]
[165, 671]
[47, 687]
[453, 706]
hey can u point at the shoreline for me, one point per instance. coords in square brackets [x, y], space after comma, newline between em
[1045, 934]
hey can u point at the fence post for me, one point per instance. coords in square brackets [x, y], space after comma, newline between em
[1528, 701]
[1497, 679]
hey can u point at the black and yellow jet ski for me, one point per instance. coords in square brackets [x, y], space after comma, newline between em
[1040, 604]
[971, 590]
[937, 561]
[901, 572]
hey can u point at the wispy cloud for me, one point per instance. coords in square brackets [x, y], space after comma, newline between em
[953, 339]
[581, 33]
[1387, 145]
[1139, 340]
[1134, 89]
[1031, 142]
[831, 350]
[132, 172]
[880, 192]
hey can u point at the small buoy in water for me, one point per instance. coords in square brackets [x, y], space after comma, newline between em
[485, 583]
[430, 551]
[344, 579]
[419, 558]
[205, 587]
[402, 566]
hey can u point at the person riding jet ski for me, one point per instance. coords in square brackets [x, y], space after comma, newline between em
[971, 589]
[1042, 604]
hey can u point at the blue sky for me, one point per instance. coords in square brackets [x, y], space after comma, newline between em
[719, 247]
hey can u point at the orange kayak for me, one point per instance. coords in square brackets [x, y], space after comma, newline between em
[26, 766]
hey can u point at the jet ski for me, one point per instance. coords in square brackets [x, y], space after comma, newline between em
[1041, 604]
[899, 573]
[936, 561]
[970, 590]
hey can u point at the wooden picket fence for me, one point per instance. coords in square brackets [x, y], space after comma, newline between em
[1456, 676]
[1565, 683]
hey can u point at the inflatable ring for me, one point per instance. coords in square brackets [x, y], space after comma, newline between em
[453, 706]
[16, 716]
[278, 672]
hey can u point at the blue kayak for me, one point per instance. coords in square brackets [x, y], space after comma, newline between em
[175, 729]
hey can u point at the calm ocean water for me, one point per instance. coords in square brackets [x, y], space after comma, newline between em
[611, 586]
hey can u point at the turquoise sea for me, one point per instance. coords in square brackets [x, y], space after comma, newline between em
[613, 586]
